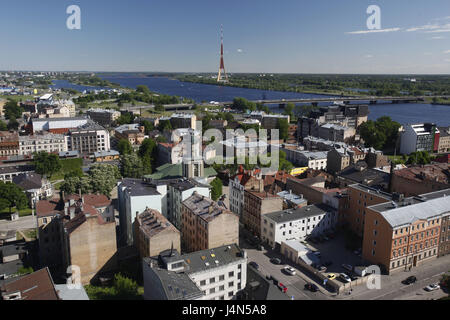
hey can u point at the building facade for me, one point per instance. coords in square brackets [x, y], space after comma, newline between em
[205, 224]
[50, 143]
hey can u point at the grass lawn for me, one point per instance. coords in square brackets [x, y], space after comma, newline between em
[68, 165]
[5, 215]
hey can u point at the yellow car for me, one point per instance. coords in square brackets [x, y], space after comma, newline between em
[331, 276]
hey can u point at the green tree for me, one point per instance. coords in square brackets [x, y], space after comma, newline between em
[12, 110]
[126, 118]
[3, 126]
[46, 164]
[124, 147]
[149, 127]
[289, 110]
[147, 153]
[73, 185]
[380, 134]
[131, 166]
[283, 126]
[143, 89]
[13, 196]
[419, 157]
[13, 124]
[216, 190]
[104, 178]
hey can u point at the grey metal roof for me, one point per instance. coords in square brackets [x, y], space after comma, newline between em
[65, 293]
[300, 213]
[137, 187]
[177, 286]
[418, 210]
[212, 258]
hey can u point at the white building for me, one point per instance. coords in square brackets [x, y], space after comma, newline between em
[314, 160]
[89, 138]
[134, 197]
[418, 137]
[42, 142]
[280, 226]
[213, 274]
[180, 190]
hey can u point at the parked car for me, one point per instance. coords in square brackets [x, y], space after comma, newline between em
[290, 270]
[357, 252]
[326, 238]
[322, 268]
[345, 278]
[311, 287]
[409, 280]
[432, 287]
[317, 253]
[282, 287]
[254, 265]
[275, 261]
[347, 267]
[331, 276]
[353, 277]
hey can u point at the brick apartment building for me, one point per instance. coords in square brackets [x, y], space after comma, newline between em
[206, 224]
[421, 179]
[400, 235]
[257, 204]
[77, 230]
[153, 233]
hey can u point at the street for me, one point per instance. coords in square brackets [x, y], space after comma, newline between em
[28, 222]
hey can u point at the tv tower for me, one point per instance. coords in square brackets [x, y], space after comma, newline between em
[222, 71]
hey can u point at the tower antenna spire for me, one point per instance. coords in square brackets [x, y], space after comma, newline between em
[222, 71]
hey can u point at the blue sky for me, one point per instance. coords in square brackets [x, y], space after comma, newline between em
[284, 36]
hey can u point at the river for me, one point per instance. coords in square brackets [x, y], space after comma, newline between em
[408, 113]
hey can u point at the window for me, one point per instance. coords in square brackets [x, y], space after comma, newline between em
[221, 288]
[212, 290]
[212, 280]
[230, 294]
[231, 274]
[221, 278]
[230, 284]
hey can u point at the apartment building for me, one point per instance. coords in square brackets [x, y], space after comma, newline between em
[183, 120]
[134, 197]
[88, 139]
[134, 133]
[178, 191]
[299, 223]
[205, 224]
[316, 160]
[9, 144]
[335, 132]
[444, 140]
[421, 179]
[213, 274]
[7, 173]
[243, 180]
[77, 230]
[419, 137]
[104, 117]
[153, 234]
[35, 186]
[337, 160]
[48, 142]
[271, 121]
[360, 197]
[256, 205]
[404, 234]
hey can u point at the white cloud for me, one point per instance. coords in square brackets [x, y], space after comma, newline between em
[448, 51]
[437, 38]
[374, 31]
[425, 27]
[443, 28]
[240, 50]
[368, 56]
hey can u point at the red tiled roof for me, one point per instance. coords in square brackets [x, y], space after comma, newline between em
[35, 286]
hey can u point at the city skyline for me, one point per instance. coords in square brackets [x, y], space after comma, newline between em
[259, 37]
